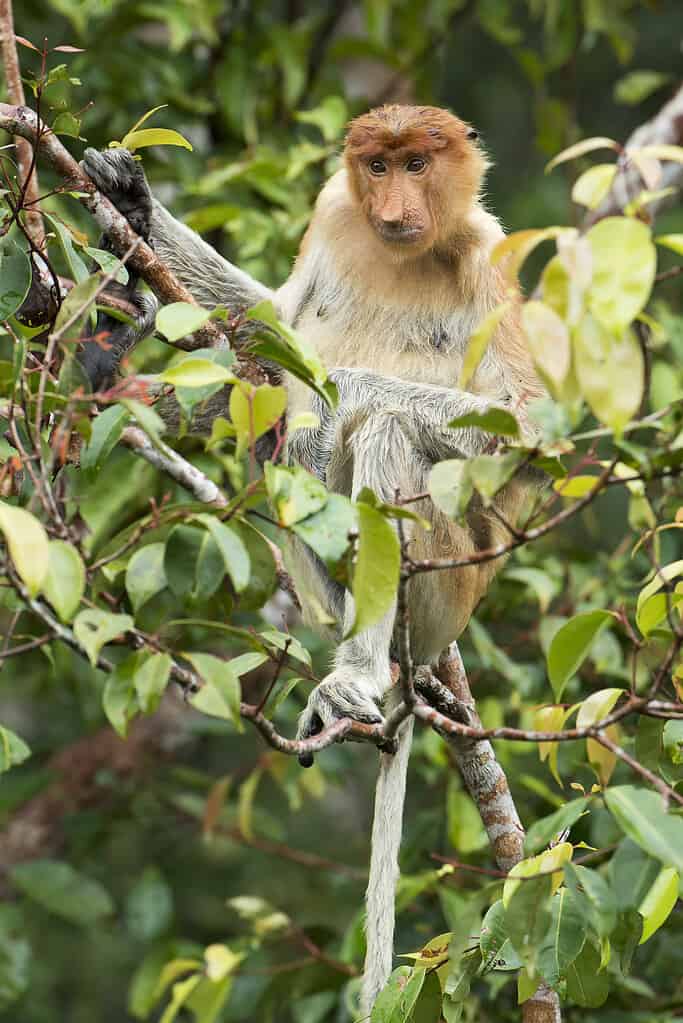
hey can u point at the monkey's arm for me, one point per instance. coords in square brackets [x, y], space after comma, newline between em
[210, 278]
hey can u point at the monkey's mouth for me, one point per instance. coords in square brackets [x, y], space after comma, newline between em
[403, 234]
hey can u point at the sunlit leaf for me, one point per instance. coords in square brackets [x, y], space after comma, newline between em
[94, 629]
[27, 544]
[581, 148]
[479, 342]
[593, 185]
[659, 902]
[154, 137]
[624, 263]
[65, 581]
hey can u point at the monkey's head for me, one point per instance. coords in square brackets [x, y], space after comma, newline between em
[415, 172]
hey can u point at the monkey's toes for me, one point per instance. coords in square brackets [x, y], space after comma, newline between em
[335, 698]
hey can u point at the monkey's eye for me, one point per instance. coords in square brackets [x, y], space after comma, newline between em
[377, 167]
[472, 134]
[415, 165]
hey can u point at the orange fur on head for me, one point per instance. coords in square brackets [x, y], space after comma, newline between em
[434, 202]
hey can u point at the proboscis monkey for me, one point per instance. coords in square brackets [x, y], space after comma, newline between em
[393, 276]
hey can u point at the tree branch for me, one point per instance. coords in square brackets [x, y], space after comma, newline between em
[28, 178]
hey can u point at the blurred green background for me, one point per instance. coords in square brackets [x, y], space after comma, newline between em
[263, 90]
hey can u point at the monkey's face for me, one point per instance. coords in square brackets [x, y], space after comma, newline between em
[396, 197]
[414, 172]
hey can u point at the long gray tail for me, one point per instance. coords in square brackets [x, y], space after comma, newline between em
[387, 827]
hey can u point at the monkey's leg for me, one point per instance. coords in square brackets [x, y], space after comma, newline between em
[381, 458]
[211, 279]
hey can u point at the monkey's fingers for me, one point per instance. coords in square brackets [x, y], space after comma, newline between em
[338, 696]
[121, 178]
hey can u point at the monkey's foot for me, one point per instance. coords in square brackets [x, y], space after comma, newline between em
[121, 178]
[338, 696]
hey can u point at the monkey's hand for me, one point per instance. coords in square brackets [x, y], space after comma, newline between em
[343, 694]
[121, 178]
[100, 358]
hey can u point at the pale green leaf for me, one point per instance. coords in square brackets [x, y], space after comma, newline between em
[145, 575]
[65, 581]
[581, 148]
[479, 342]
[27, 544]
[624, 263]
[642, 816]
[13, 749]
[178, 319]
[659, 902]
[221, 694]
[94, 629]
[548, 340]
[593, 185]
[610, 372]
[154, 137]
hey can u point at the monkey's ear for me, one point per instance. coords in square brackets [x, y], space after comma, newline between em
[472, 134]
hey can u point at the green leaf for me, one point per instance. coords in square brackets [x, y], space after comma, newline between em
[539, 582]
[294, 493]
[479, 342]
[154, 137]
[108, 262]
[94, 628]
[387, 1004]
[450, 486]
[624, 264]
[65, 582]
[193, 563]
[659, 902]
[586, 985]
[221, 693]
[330, 117]
[610, 372]
[178, 319]
[195, 373]
[376, 572]
[655, 610]
[146, 418]
[150, 681]
[255, 410]
[564, 939]
[77, 304]
[545, 829]
[496, 948]
[528, 917]
[496, 420]
[13, 750]
[595, 895]
[27, 544]
[593, 185]
[119, 700]
[662, 576]
[149, 906]
[327, 531]
[62, 890]
[632, 873]
[180, 994]
[575, 486]
[15, 278]
[293, 352]
[235, 554]
[636, 86]
[490, 473]
[642, 816]
[571, 645]
[77, 267]
[145, 574]
[106, 430]
[263, 575]
[15, 958]
[597, 706]
[280, 640]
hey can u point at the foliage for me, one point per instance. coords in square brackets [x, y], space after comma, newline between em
[204, 876]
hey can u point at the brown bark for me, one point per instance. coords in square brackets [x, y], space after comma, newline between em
[486, 783]
[15, 89]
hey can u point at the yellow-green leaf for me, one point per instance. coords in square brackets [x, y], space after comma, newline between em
[575, 486]
[594, 184]
[671, 241]
[154, 137]
[479, 342]
[610, 372]
[624, 263]
[548, 340]
[662, 151]
[515, 248]
[27, 545]
[580, 149]
[659, 901]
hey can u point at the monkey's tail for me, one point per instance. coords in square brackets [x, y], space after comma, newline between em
[387, 827]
